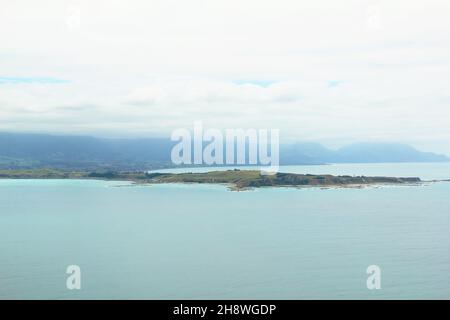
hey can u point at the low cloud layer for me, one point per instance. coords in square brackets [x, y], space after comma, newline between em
[322, 71]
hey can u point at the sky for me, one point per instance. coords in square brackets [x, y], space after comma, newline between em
[334, 72]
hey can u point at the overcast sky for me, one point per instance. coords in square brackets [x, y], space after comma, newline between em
[332, 71]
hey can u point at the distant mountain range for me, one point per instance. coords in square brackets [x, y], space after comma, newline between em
[356, 153]
[24, 151]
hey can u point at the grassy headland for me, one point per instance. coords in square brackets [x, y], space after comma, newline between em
[236, 179]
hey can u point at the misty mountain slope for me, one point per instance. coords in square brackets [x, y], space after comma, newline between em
[88, 153]
[305, 153]
[78, 152]
[385, 152]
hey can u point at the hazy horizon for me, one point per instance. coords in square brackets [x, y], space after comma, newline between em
[334, 147]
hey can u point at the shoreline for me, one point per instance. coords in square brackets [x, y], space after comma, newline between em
[233, 180]
[233, 188]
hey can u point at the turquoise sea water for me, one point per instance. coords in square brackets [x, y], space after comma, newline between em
[205, 242]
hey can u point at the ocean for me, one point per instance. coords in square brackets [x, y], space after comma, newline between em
[179, 241]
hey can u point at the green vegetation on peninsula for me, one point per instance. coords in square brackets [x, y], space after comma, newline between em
[236, 179]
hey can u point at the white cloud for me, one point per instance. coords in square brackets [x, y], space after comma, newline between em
[146, 67]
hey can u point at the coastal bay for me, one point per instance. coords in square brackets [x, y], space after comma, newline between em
[196, 240]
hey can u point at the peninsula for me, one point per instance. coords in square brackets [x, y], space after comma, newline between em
[235, 179]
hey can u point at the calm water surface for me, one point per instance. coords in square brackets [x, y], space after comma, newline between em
[203, 241]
